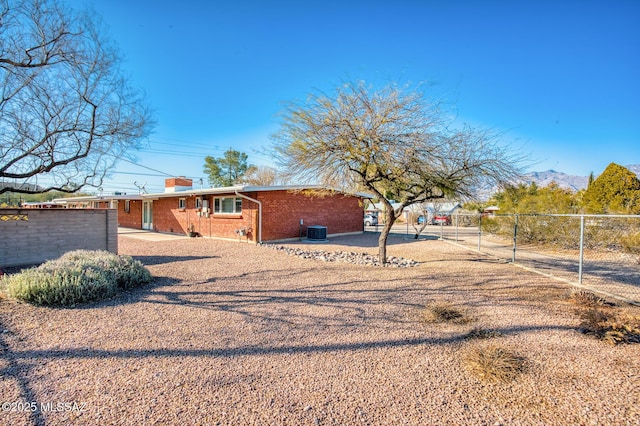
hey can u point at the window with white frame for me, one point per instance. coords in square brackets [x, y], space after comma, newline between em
[127, 206]
[182, 203]
[227, 205]
[198, 203]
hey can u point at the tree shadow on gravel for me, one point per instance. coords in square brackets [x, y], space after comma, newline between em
[345, 303]
[349, 306]
[18, 364]
[13, 370]
[160, 260]
[253, 350]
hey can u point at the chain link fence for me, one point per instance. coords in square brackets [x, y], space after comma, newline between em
[597, 252]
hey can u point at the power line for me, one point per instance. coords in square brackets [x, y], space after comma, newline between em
[138, 174]
[148, 168]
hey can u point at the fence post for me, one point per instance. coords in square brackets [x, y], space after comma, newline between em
[581, 249]
[457, 216]
[479, 231]
[515, 239]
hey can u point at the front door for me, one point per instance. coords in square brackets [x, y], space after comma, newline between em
[147, 215]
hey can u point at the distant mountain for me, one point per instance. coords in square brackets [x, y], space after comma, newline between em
[27, 186]
[574, 183]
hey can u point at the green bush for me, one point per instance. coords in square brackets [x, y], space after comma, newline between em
[490, 225]
[631, 243]
[77, 277]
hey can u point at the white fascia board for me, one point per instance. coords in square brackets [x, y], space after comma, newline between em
[246, 188]
[85, 198]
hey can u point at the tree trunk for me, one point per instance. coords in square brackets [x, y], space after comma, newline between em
[419, 229]
[389, 219]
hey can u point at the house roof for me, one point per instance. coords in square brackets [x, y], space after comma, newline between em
[208, 191]
[251, 188]
[87, 198]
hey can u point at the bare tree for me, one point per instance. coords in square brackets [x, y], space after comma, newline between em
[67, 112]
[391, 142]
[263, 176]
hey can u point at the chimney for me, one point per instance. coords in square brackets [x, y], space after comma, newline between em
[177, 184]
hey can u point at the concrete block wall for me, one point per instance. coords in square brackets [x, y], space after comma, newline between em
[32, 236]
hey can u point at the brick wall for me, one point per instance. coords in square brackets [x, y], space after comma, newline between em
[132, 218]
[282, 211]
[168, 217]
[49, 233]
[281, 214]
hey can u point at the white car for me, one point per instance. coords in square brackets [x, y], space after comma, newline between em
[370, 220]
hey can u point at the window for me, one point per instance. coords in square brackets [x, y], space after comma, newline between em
[198, 203]
[182, 203]
[227, 205]
[127, 206]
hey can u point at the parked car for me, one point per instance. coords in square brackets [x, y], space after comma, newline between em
[442, 220]
[370, 220]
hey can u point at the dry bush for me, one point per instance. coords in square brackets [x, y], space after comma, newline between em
[444, 312]
[610, 327]
[483, 333]
[493, 364]
[586, 298]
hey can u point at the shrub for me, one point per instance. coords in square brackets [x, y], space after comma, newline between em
[77, 277]
[483, 333]
[586, 298]
[493, 363]
[444, 312]
[631, 243]
[609, 327]
[490, 225]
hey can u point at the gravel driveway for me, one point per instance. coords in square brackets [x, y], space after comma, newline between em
[231, 333]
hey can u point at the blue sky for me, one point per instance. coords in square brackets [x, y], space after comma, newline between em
[560, 78]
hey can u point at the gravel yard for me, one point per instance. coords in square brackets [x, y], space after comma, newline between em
[231, 333]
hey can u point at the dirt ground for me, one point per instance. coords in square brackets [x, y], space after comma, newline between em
[232, 333]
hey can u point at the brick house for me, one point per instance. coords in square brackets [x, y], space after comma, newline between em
[247, 213]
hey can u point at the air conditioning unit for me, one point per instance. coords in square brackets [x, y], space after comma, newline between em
[317, 233]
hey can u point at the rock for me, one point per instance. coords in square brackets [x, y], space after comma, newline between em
[342, 256]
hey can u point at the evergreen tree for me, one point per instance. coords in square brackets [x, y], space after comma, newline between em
[227, 170]
[616, 190]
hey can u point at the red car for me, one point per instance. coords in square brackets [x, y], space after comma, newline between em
[442, 220]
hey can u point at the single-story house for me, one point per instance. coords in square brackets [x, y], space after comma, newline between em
[242, 212]
[490, 211]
